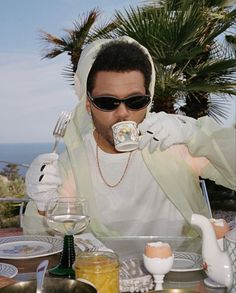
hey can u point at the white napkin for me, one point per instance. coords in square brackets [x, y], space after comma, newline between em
[134, 277]
[88, 240]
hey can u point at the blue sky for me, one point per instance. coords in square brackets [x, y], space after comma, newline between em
[33, 92]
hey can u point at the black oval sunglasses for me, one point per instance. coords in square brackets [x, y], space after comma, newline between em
[110, 103]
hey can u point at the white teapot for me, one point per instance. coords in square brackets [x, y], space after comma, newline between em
[216, 262]
[230, 246]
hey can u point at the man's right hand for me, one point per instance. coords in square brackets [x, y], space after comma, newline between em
[42, 179]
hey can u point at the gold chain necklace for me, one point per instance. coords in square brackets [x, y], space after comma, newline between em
[100, 170]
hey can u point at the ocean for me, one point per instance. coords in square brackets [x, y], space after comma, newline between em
[23, 153]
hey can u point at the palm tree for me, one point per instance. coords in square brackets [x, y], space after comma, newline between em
[231, 39]
[195, 72]
[83, 33]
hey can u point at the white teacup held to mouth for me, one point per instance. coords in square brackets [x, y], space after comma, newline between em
[126, 136]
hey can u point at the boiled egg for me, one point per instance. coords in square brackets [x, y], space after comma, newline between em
[221, 227]
[158, 250]
[158, 259]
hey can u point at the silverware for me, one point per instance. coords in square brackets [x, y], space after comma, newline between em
[60, 128]
[40, 273]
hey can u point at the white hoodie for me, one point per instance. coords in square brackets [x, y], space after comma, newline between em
[176, 170]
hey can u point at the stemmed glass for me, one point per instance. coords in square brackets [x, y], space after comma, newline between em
[67, 216]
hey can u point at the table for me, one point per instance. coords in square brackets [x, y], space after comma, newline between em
[127, 247]
[130, 246]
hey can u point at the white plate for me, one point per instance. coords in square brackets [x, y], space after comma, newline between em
[210, 283]
[7, 270]
[29, 246]
[187, 262]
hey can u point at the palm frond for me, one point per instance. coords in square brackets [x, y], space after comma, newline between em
[219, 107]
[104, 30]
[83, 27]
[68, 73]
[214, 69]
[51, 39]
[53, 53]
[196, 71]
[211, 88]
[54, 45]
[231, 42]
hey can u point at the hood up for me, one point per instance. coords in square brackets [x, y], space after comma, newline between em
[81, 122]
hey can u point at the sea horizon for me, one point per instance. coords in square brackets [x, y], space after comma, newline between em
[24, 153]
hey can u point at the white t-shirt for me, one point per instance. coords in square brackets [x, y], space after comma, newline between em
[137, 206]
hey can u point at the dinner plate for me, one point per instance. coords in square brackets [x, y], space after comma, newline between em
[187, 262]
[88, 241]
[29, 246]
[7, 270]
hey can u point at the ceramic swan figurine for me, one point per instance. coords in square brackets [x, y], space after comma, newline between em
[216, 262]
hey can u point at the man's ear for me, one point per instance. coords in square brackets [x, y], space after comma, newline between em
[88, 106]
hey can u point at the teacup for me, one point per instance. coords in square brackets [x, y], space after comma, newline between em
[126, 136]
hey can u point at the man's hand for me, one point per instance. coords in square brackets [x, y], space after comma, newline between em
[42, 179]
[161, 130]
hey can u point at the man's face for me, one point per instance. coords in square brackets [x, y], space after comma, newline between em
[120, 85]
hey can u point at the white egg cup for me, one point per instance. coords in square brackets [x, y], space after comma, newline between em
[158, 267]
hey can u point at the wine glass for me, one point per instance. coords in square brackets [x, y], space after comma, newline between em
[67, 216]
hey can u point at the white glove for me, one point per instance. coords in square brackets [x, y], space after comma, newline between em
[42, 179]
[163, 130]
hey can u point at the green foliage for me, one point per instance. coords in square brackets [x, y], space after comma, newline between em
[73, 42]
[17, 187]
[192, 44]
[221, 198]
[196, 69]
[9, 211]
[12, 188]
[11, 171]
[10, 222]
[4, 190]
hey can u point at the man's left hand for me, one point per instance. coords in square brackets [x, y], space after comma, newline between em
[161, 130]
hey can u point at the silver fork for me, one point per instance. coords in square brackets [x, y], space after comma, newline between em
[60, 128]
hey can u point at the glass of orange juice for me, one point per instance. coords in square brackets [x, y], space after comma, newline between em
[101, 268]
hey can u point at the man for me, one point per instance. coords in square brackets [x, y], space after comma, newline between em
[150, 191]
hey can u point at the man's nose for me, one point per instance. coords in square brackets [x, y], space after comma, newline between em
[122, 111]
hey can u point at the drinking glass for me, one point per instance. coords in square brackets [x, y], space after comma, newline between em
[67, 216]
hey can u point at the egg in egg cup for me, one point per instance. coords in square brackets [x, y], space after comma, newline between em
[158, 260]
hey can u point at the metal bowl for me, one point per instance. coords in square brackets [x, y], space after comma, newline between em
[174, 291]
[51, 285]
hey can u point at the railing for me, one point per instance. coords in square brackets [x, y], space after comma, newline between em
[17, 164]
[206, 197]
[21, 200]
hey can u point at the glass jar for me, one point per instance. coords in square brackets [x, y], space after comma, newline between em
[101, 268]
